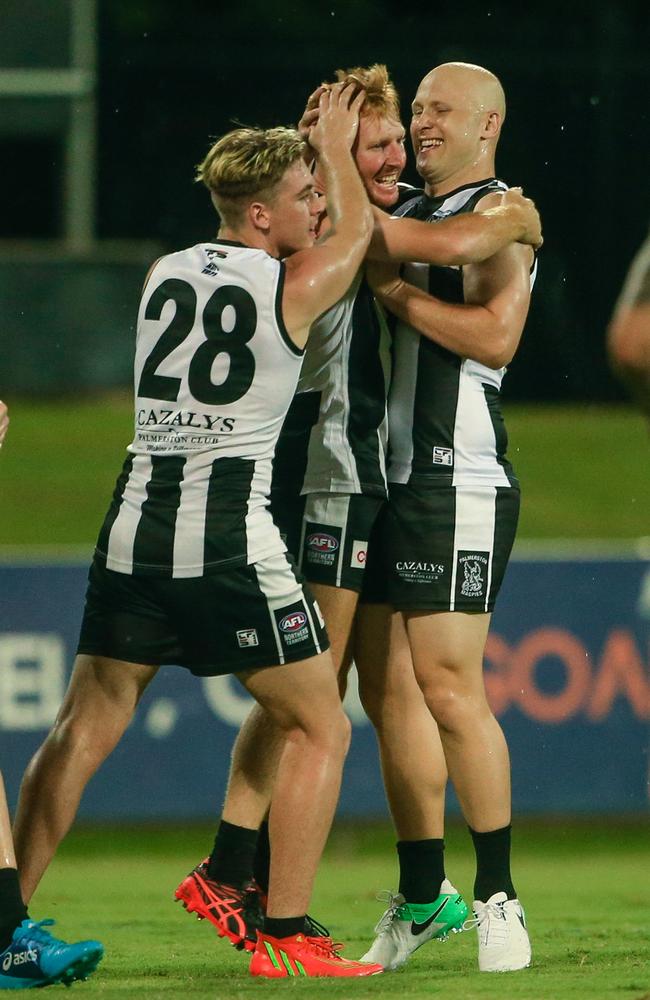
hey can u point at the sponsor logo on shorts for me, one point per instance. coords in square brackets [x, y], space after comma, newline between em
[293, 625]
[247, 637]
[442, 456]
[414, 571]
[293, 622]
[472, 573]
[322, 543]
[359, 555]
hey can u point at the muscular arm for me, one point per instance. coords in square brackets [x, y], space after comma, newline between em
[318, 277]
[628, 337]
[463, 239]
[487, 327]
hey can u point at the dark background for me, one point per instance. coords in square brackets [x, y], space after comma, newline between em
[577, 77]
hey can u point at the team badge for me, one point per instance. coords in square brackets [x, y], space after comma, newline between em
[472, 574]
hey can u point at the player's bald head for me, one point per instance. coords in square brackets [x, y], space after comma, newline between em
[478, 85]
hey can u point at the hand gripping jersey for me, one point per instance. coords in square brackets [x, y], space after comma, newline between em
[334, 437]
[215, 371]
[445, 423]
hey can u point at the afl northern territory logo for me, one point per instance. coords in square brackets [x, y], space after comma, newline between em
[320, 541]
[293, 622]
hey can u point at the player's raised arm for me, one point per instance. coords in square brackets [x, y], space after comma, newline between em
[464, 239]
[316, 278]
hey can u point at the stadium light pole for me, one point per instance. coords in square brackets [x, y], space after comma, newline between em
[76, 84]
[81, 146]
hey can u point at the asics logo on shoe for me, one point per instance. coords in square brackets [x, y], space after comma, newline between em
[420, 928]
[19, 958]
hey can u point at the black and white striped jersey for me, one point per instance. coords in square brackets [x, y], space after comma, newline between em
[215, 371]
[445, 422]
[334, 437]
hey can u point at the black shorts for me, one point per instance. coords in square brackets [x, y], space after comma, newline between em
[327, 533]
[442, 548]
[241, 619]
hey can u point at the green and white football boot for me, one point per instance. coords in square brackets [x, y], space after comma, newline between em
[405, 927]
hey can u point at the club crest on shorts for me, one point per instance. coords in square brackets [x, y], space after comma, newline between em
[472, 574]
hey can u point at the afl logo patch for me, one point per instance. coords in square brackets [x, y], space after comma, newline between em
[322, 542]
[293, 622]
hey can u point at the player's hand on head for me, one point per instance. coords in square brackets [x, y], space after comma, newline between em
[338, 117]
[4, 421]
[310, 114]
[533, 224]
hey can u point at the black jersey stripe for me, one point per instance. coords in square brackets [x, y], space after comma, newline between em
[116, 503]
[229, 489]
[292, 449]
[491, 394]
[153, 546]
[366, 389]
[434, 412]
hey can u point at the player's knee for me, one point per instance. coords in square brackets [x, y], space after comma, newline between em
[450, 702]
[329, 731]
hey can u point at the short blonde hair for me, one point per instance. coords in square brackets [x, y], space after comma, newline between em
[381, 97]
[247, 162]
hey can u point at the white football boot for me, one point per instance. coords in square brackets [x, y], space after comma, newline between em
[405, 927]
[503, 942]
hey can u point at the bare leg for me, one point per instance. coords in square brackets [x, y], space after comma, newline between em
[447, 650]
[303, 701]
[338, 607]
[254, 763]
[98, 706]
[412, 758]
[259, 744]
[7, 854]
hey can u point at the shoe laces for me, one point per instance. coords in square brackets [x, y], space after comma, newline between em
[395, 900]
[315, 930]
[489, 921]
[325, 946]
[36, 932]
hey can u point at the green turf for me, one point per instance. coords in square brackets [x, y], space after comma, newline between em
[585, 886]
[584, 470]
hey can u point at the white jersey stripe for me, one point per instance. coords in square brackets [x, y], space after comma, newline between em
[119, 556]
[473, 425]
[188, 542]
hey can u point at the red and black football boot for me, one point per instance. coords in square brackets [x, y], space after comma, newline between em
[236, 913]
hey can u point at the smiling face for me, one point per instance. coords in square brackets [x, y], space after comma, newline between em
[380, 157]
[457, 113]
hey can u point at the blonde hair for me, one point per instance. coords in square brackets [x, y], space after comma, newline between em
[247, 162]
[381, 97]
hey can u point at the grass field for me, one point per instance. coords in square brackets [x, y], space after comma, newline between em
[586, 889]
[584, 470]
